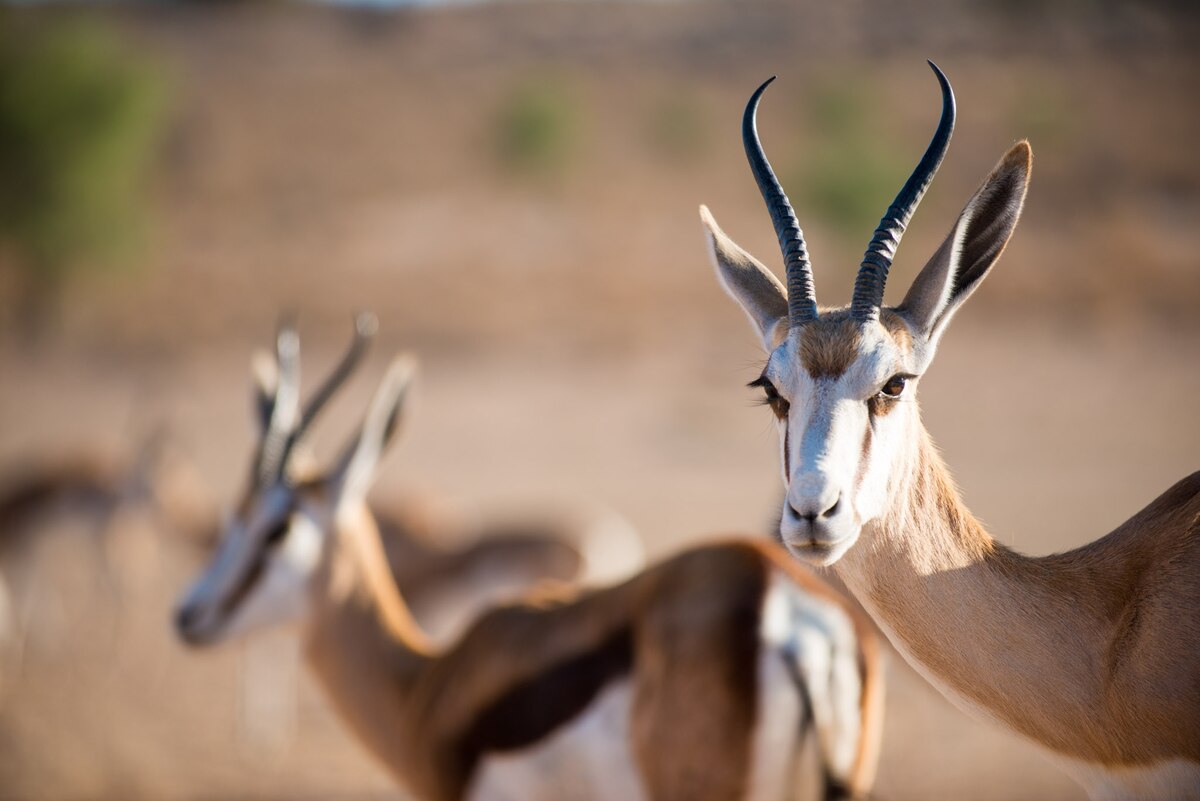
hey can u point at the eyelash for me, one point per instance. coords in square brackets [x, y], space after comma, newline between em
[778, 404]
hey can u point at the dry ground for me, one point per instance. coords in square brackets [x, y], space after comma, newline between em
[576, 347]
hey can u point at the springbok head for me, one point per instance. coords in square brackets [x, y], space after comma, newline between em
[277, 539]
[842, 382]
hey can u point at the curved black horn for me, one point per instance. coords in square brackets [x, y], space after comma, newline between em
[276, 442]
[365, 326]
[872, 276]
[802, 300]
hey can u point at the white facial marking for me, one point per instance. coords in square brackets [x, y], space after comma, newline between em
[837, 455]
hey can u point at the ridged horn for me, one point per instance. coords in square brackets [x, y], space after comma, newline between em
[872, 275]
[802, 300]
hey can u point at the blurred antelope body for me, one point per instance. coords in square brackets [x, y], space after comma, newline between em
[696, 679]
[1095, 653]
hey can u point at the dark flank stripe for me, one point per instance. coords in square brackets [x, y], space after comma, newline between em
[529, 712]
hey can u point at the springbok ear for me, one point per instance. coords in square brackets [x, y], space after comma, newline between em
[264, 373]
[976, 241]
[756, 289]
[356, 469]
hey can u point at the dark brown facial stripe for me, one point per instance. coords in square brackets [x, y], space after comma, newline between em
[787, 453]
[532, 710]
[881, 405]
[864, 455]
[254, 570]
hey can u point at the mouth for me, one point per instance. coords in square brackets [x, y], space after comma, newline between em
[812, 543]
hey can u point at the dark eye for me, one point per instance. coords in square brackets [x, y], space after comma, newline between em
[894, 386]
[277, 532]
[778, 404]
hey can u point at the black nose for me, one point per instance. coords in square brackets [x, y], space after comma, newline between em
[811, 514]
[185, 618]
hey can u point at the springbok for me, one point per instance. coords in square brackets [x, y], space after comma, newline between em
[1094, 654]
[698, 679]
[446, 586]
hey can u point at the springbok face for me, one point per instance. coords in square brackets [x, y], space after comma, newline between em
[842, 383]
[280, 535]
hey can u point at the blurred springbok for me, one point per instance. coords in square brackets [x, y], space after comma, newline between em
[696, 680]
[446, 586]
[1094, 654]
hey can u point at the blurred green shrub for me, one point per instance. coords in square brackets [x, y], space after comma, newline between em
[851, 169]
[79, 121]
[537, 127]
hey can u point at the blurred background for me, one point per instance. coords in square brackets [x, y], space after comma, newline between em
[512, 187]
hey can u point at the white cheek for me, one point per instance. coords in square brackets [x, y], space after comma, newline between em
[886, 442]
[302, 549]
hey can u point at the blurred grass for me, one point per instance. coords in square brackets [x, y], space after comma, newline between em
[537, 127]
[850, 168]
[80, 117]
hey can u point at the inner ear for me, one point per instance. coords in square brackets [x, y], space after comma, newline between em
[755, 288]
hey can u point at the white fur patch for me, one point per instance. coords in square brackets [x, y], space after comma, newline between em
[818, 637]
[780, 712]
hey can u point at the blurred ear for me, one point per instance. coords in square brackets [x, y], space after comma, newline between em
[976, 241]
[756, 289]
[264, 373]
[356, 469]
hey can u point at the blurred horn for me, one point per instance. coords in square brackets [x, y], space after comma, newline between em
[276, 441]
[872, 275]
[802, 302]
[365, 326]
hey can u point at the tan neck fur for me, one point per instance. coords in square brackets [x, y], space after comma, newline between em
[362, 642]
[1033, 642]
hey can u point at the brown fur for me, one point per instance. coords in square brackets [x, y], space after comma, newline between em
[829, 345]
[1092, 653]
[685, 632]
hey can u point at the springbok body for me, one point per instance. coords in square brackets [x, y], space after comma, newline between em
[696, 679]
[1094, 654]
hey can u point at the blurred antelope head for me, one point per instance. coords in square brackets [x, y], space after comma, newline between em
[276, 540]
[842, 382]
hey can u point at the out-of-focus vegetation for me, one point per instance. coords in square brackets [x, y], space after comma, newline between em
[850, 173]
[79, 120]
[678, 129]
[537, 127]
